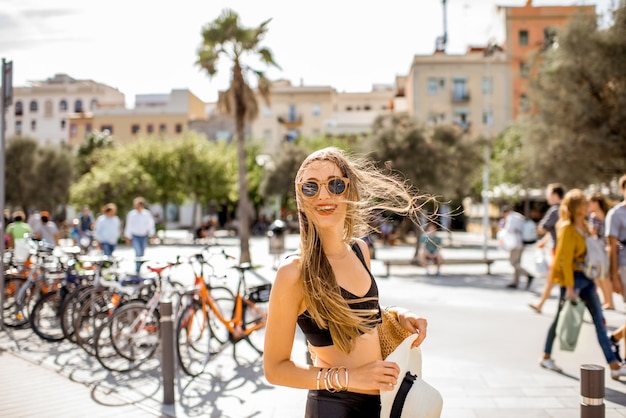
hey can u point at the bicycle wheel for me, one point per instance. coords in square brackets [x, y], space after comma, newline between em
[93, 308]
[69, 310]
[225, 302]
[45, 318]
[254, 319]
[15, 313]
[193, 338]
[135, 331]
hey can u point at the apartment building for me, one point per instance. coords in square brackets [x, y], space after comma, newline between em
[530, 29]
[154, 114]
[311, 111]
[471, 90]
[42, 109]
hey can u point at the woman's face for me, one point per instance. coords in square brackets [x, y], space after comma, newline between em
[583, 209]
[325, 210]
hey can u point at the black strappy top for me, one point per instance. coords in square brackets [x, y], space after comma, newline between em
[320, 337]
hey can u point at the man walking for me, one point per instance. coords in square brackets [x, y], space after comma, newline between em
[513, 222]
[616, 239]
[139, 227]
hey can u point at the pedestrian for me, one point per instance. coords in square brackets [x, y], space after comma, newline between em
[108, 229]
[386, 231]
[47, 230]
[429, 248]
[568, 273]
[513, 243]
[18, 229]
[328, 290]
[547, 228]
[86, 221]
[616, 239]
[599, 206]
[139, 228]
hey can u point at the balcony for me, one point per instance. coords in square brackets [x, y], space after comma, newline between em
[460, 96]
[290, 121]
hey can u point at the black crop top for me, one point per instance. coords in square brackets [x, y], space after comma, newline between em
[320, 337]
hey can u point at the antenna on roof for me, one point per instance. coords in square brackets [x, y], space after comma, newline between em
[440, 43]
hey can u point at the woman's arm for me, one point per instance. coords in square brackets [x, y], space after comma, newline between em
[285, 304]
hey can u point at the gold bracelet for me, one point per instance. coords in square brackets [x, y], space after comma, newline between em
[346, 371]
[319, 374]
[328, 382]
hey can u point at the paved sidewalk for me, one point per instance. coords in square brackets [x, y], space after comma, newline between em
[482, 353]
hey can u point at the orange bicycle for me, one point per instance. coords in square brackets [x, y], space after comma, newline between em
[212, 318]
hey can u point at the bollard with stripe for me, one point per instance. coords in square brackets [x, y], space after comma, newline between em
[167, 351]
[592, 391]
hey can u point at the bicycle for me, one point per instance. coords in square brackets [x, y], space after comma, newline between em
[131, 335]
[199, 335]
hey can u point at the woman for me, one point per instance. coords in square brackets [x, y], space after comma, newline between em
[108, 229]
[567, 272]
[598, 208]
[328, 290]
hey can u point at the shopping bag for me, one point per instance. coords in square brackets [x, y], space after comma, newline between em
[570, 322]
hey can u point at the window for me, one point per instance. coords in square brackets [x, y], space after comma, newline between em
[134, 129]
[47, 108]
[459, 90]
[108, 128]
[292, 113]
[442, 83]
[88, 128]
[178, 128]
[33, 106]
[94, 104]
[267, 111]
[63, 106]
[348, 108]
[487, 117]
[63, 123]
[162, 128]
[432, 85]
[19, 108]
[550, 37]
[523, 37]
[524, 103]
[33, 125]
[487, 85]
[73, 130]
[524, 69]
[150, 128]
[78, 106]
[367, 107]
[461, 118]
[317, 109]
[18, 127]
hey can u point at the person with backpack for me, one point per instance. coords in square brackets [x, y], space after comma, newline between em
[547, 228]
[598, 208]
[568, 271]
[616, 239]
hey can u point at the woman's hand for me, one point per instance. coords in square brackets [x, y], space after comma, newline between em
[415, 324]
[377, 375]
[570, 293]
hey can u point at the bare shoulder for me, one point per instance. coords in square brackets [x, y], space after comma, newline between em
[364, 249]
[288, 275]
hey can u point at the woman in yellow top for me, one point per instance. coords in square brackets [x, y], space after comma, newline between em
[567, 271]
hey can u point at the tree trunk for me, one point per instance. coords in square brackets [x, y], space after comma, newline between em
[242, 207]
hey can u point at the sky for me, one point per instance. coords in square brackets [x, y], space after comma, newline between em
[150, 46]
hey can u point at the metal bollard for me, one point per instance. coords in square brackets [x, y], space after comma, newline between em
[167, 352]
[592, 391]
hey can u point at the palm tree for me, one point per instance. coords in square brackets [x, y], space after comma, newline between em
[225, 36]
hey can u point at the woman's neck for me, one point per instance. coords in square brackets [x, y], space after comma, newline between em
[333, 243]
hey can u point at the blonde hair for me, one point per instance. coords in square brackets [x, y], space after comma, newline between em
[369, 192]
[570, 205]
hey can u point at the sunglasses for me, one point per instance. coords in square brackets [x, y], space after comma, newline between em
[335, 186]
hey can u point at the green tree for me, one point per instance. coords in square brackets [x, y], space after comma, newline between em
[88, 152]
[226, 37]
[37, 177]
[580, 96]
